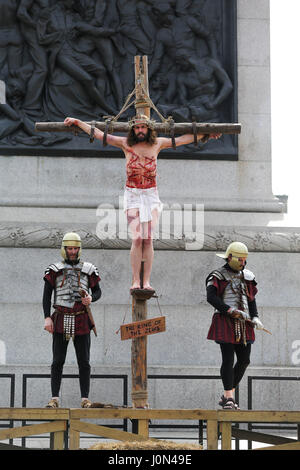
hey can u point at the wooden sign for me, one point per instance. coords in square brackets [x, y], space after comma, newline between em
[143, 328]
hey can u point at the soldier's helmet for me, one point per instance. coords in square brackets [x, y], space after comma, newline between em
[237, 250]
[70, 239]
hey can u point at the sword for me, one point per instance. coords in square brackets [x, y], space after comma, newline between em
[83, 293]
[263, 329]
[239, 316]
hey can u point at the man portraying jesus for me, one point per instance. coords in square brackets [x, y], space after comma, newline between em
[141, 200]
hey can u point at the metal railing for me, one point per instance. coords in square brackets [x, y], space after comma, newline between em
[123, 377]
[251, 379]
[201, 426]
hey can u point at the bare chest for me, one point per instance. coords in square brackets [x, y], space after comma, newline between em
[141, 155]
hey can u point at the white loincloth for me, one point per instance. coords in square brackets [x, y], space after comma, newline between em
[143, 199]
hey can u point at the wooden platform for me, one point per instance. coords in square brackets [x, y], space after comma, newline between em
[219, 424]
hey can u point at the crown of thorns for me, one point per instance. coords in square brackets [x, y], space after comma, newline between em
[141, 120]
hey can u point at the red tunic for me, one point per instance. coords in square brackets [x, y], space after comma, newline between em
[82, 322]
[139, 175]
[222, 326]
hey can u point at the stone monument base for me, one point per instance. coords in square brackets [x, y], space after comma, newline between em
[30, 241]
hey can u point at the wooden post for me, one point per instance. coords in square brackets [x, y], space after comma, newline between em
[139, 394]
[74, 443]
[143, 428]
[58, 440]
[139, 300]
[142, 86]
[226, 435]
[212, 434]
[139, 358]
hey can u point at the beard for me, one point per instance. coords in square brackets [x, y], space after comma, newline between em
[133, 139]
[72, 261]
[141, 137]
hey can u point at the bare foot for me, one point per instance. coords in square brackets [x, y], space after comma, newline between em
[135, 285]
[147, 286]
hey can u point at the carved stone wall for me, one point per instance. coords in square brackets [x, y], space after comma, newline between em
[75, 58]
[258, 239]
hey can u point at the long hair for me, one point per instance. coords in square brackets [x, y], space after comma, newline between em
[150, 137]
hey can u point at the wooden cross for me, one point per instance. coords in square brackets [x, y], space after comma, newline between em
[143, 105]
[141, 327]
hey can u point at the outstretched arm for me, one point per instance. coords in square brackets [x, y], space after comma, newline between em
[111, 139]
[185, 139]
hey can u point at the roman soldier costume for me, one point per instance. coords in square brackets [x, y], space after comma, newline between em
[70, 280]
[234, 290]
[231, 290]
[70, 316]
